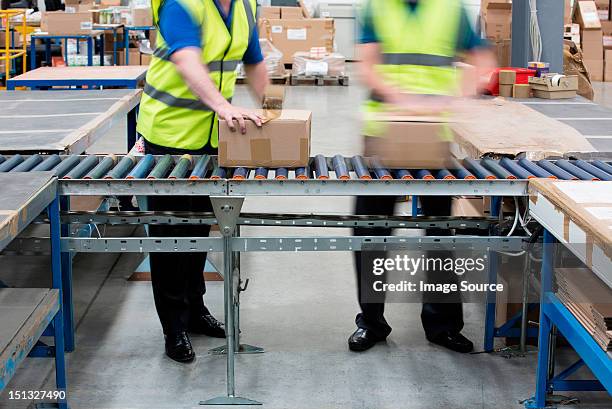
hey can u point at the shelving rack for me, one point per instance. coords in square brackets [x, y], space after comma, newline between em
[7, 52]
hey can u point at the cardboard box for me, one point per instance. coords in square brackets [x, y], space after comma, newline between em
[134, 56]
[291, 36]
[270, 12]
[503, 51]
[498, 20]
[59, 22]
[522, 91]
[567, 12]
[468, 206]
[608, 66]
[142, 17]
[289, 13]
[505, 90]
[411, 142]
[110, 3]
[592, 44]
[606, 27]
[145, 59]
[507, 77]
[594, 68]
[587, 15]
[280, 142]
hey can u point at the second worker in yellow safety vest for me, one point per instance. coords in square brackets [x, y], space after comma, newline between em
[189, 87]
[407, 50]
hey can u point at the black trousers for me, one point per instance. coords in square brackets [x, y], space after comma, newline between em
[436, 317]
[177, 278]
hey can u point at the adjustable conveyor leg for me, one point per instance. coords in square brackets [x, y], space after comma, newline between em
[239, 287]
[227, 210]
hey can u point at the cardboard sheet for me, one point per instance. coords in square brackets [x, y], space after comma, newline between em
[509, 128]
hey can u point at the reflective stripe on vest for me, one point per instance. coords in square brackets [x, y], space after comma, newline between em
[173, 101]
[230, 65]
[428, 60]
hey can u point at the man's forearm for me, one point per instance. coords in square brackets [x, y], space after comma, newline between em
[257, 75]
[189, 64]
[370, 56]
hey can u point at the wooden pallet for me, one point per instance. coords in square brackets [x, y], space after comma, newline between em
[275, 79]
[319, 80]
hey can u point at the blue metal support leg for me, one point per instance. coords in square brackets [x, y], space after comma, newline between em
[58, 321]
[489, 335]
[90, 46]
[66, 261]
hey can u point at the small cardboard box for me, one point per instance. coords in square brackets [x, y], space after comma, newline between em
[521, 91]
[411, 142]
[507, 77]
[142, 17]
[270, 12]
[280, 142]
[587, 15]
[498, 22]
[288, 13]
[505, 90]
[291, 36]
[59, 22]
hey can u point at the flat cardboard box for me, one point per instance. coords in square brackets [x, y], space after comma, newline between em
[288, 13]
[280, 142]
[498, 21]
[411, 142]
[594, 68]
[270, 12]
[59, 22]
[291, 36]
[587, 15]
[142, 17]
[553, 94]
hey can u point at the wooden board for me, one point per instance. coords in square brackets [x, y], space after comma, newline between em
[24, 315]
[503, 127]
[129, 72]
[24, 197]
[60, 121]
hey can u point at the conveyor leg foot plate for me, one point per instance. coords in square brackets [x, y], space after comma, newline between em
[243, 349]
[229, 400]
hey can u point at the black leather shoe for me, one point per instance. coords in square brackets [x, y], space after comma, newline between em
[453, 341]
[178, 347]
[362, 339]
[206, 324]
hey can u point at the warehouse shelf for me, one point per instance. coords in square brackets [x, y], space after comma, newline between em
[7, 53]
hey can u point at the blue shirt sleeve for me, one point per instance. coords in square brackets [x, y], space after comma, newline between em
[366, 25]
[253, 54]
[468, 39]
[177, 26]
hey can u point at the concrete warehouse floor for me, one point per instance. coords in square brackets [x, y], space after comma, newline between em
[299, 306]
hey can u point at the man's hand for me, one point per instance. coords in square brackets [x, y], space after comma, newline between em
[231, 113]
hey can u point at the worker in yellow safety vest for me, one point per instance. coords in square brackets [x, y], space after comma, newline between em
[189, 87]
[407, 50]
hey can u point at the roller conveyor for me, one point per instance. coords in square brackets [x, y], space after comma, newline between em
[323, 173]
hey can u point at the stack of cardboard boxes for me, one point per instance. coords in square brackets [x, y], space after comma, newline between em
[291, 30]
[591, 36]
[496, 21]
[81, 15]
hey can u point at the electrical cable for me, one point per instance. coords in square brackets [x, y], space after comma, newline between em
[534, 32]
